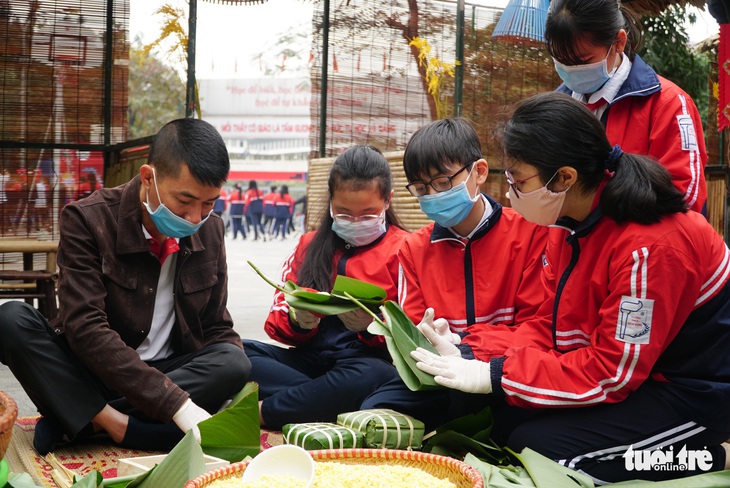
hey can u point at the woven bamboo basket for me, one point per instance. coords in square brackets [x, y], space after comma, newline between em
[458, 472]
[8, 414]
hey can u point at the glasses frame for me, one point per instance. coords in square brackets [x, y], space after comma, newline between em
[513, 184]
[352, 219]
[411, 185]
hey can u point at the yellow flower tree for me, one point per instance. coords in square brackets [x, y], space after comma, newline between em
[175, 36]
[435, 73]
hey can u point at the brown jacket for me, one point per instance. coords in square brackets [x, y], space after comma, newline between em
[107, 287]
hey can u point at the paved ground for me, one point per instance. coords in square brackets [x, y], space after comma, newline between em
[249, 298]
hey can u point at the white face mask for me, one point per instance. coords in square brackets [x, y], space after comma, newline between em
[541, 206]
[359, 233]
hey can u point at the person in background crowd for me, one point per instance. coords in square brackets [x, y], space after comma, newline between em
[237, 205]
[334, 362]
[255, 209]
[302, 212]
[88, 185]
[283, 204]
[593, 44]
[269, 210]
[631, 350]
[41, 206]
[4, 213]
[143, 347]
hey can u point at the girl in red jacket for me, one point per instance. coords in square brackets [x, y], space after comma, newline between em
[335, 363]
[630, 353]
[593, 44]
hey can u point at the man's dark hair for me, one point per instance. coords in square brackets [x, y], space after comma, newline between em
[195, 143]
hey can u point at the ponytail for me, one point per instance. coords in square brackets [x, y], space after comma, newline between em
[641, 190]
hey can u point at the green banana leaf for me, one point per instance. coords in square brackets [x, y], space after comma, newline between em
[324, 303]
[407, 338]
[21, 480]
[367, 293]
[234, 432]
[91, 480]
[184, 463]
[401, 337]
[467, 434]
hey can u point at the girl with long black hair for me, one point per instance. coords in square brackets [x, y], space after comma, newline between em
[335, 363]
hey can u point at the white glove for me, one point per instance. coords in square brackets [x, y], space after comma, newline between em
[469, 375]
[189, 416]
[304, 319]
[439, 334]
[356, 320]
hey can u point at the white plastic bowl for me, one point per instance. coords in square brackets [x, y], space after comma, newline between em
[282, 460]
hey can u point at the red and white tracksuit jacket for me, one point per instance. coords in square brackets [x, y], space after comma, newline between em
[494, 277]
[630, 303]
[653, 116]
[376, 263]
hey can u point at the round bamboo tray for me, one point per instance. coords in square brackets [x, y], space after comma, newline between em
[8, 414]
[458, 472]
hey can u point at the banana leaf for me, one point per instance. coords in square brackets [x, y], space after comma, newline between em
[467, 434]
[367, 293]
[406, 338]
[234, 432]
[21, 480]
[184, 463]
[325, 303]
[401, 337]
[91, 480]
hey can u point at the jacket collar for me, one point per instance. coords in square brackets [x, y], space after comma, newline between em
[642, 81]
[440, 233]
[130, 238]
[580, 229]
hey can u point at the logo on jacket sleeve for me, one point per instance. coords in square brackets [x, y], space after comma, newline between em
[634, 320]
[687, 132]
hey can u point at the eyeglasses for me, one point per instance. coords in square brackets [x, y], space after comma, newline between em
[513, 184]
[351, 218]
[440, 183]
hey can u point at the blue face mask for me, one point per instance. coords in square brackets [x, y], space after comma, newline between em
[449, 207]
[584, 78]
[167, 222]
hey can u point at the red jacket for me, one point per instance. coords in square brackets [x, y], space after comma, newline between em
[492, 278]
[284, 205]
[653, 116]
[633, 302]
[376, 263]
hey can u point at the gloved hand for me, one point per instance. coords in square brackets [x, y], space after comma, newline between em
[469, 375]
[356, 320]
[304, 319]
[439, 334]
[189, 416]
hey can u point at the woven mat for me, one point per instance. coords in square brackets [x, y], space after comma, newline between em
[80, 458]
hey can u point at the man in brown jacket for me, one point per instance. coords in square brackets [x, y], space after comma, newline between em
[143, 347]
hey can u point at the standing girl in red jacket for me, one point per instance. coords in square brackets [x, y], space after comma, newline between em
[593, 44]
[335, 363]
[630, 353]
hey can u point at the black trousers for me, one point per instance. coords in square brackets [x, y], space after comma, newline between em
[61, 387]
[298, 385]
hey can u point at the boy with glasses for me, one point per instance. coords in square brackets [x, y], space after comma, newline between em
[477, 263]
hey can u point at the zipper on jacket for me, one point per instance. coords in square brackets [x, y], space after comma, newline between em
[469, 285]
[572, 239]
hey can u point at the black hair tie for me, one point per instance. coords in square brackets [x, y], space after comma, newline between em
[613, 157]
